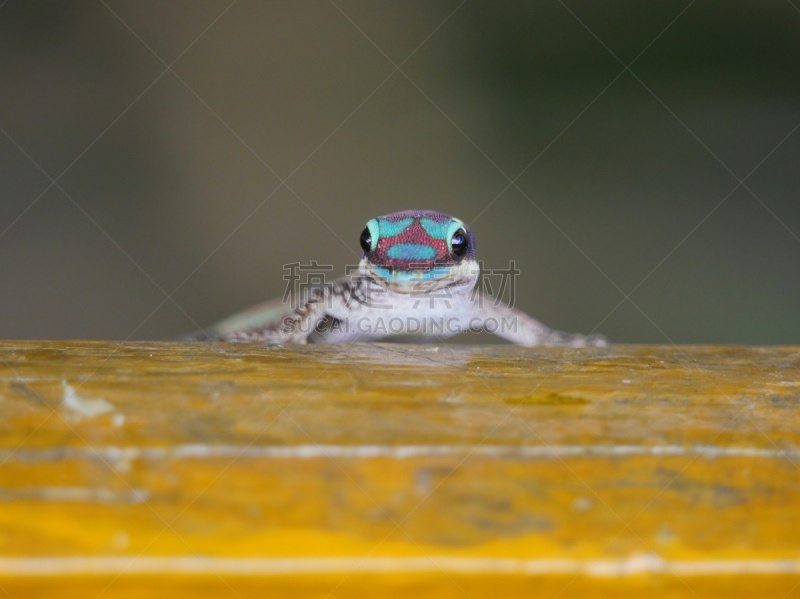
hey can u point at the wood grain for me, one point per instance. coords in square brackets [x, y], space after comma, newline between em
[364, 470]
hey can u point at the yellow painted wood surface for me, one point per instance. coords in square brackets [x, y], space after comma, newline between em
[155, 470]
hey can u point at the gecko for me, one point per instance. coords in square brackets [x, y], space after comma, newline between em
[416, 280]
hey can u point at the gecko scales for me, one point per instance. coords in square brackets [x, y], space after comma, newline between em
[417, 278]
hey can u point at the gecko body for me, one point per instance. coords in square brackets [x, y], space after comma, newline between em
[416, 279]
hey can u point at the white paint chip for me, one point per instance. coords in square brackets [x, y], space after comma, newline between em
[581, 504]
[121, 540]
[78, 408]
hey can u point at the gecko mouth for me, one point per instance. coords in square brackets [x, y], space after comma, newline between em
[421, 280]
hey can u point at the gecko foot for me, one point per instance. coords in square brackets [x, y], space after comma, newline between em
[561, 339]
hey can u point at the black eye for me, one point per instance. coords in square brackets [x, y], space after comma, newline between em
[460, 243]
[366, 240]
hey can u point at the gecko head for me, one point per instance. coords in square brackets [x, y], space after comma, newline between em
[418, 251]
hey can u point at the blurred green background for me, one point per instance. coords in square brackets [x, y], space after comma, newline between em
[640, 161]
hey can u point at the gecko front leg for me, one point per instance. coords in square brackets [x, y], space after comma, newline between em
[322, 316]
[514, 325]
[297, 326]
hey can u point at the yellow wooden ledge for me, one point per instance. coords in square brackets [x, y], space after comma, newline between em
[169, 470]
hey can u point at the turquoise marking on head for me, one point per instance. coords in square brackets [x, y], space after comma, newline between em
[411, 252]
[384, 228]
[442, 229]
[436, 229]
[387, 228]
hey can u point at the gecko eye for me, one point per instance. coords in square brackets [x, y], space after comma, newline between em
[366, 240]
[459, 243]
